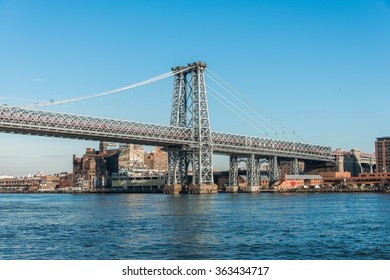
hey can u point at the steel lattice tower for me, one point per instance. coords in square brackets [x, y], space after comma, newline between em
[190, 110]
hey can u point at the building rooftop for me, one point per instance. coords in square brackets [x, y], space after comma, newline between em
[243, 177]
[303, 177]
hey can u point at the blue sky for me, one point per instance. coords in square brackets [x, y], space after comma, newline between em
[320, 68]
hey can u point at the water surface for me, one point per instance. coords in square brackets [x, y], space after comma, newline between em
[223, 226]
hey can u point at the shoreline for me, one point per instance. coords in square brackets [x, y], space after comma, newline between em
[376, 190]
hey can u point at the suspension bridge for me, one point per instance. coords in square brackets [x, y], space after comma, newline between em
[188, 138]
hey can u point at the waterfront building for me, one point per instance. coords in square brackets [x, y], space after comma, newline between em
[335, 178]
[345, 178]
[37, 183]
[382, 152]
[138, 179]
[379, 179]
[13, 184]
[95, 168]
[298, 181]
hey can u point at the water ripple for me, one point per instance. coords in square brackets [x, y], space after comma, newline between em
[224, 226]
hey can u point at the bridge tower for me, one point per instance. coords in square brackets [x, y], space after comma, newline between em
[190, 110]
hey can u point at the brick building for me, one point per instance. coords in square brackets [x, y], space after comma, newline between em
[157, 160]
[93, 169]
[297, 181]
[382, 152]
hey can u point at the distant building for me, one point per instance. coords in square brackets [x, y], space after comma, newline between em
[48, 183]
[382, 152]
[95, 168]
[130, 155]
[13, 184]
[37, 183]
[345, 178]
[335, 178]
[379, 179]
[354, 161]
[242, 181]
[297, 181]
[285, 168]
[157, 160]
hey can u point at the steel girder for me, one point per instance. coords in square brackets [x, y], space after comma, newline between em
[226, 143]
[36, 122]
[44, 123]
[294, 166]
[253, 165]
[233, 170]
[252, 169]
[202, 162]
[177, 160]
[274, 169]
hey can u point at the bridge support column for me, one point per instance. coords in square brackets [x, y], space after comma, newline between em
[274, 175]
[178, 162]
[294, 166]
[177, 171]
[233, 174]
[252, 174]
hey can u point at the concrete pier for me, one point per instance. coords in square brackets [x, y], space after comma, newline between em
[253, 189]
[173, 189]
[232, 189]
[203, 189]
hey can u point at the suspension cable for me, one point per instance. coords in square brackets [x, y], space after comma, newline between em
[234, 112]
[146, 82]
[248, 107]
[242, 111]
[251, 102]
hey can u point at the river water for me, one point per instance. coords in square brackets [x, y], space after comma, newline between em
[224, 226]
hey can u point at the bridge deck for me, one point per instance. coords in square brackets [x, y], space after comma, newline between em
[45, 123]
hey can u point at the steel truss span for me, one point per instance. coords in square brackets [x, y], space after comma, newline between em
[43, 123]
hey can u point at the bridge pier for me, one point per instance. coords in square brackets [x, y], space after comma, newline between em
[252, 172]
[294, 166]
[203, 188]
[173, 189]
[274, 172]
[233, 174]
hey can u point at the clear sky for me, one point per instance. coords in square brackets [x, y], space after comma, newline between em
[321, 68]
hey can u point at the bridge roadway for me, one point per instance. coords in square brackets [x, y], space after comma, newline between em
[44, 123]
